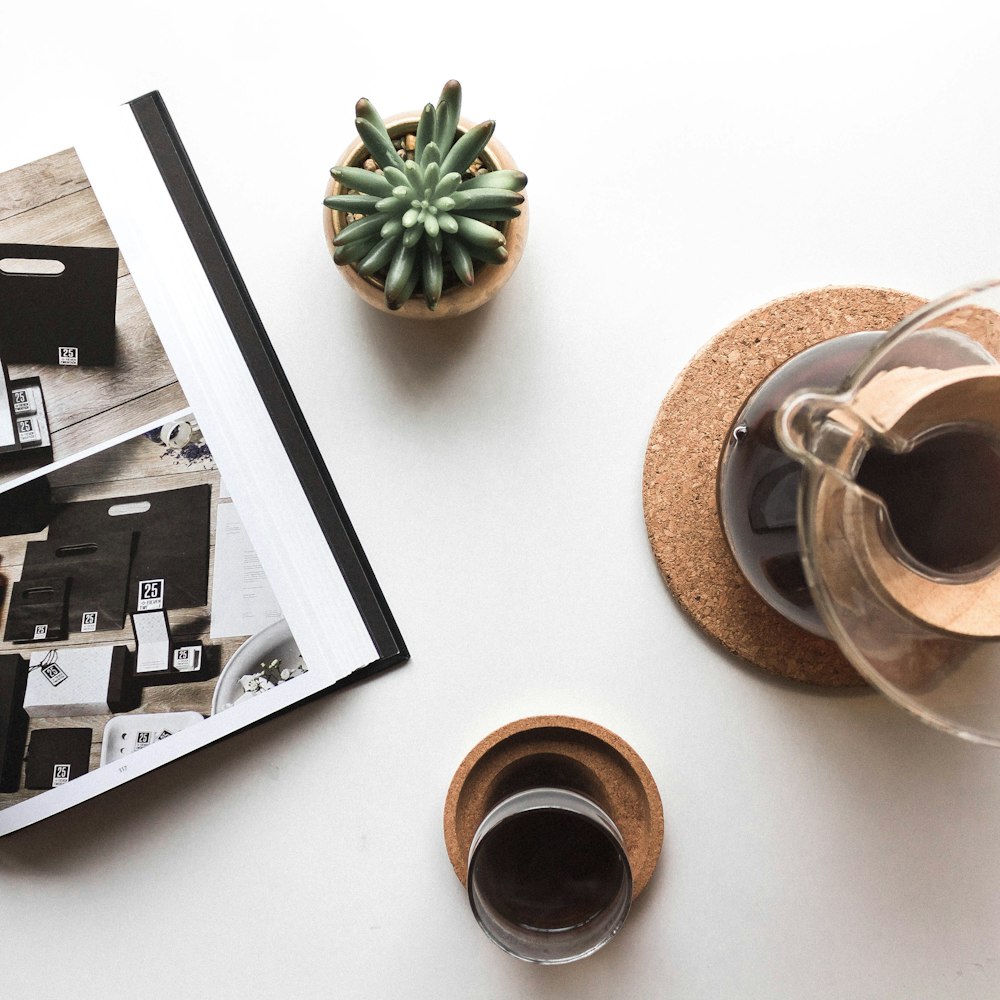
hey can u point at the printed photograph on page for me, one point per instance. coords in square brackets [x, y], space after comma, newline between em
[133, 602]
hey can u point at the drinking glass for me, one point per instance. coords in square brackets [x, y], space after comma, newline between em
[549, 880]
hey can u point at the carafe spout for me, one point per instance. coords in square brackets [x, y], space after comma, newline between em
[822, 430]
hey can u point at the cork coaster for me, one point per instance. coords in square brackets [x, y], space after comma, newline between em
[568, 753]
[678, 483]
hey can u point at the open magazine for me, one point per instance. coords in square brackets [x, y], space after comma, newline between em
[175, 562]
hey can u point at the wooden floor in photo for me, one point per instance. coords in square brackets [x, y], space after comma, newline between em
[50, 202]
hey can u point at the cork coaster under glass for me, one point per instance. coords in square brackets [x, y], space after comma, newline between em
[554, 825]
[562, 751]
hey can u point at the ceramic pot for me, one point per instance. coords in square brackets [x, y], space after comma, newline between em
[458, 299]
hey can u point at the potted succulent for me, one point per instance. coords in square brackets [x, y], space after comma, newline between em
[424, 213]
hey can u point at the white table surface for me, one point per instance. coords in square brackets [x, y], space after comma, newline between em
[682, 172]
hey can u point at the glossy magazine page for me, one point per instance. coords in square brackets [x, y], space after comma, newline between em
[175, 562]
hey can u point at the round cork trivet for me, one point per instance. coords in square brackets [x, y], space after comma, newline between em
[678, 482]
[564, 752]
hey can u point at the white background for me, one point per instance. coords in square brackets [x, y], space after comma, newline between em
[683, 171]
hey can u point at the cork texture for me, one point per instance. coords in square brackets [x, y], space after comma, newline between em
[565, 752]
[679, 474]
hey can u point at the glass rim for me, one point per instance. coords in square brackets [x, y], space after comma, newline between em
[912, 321]
[551, 799]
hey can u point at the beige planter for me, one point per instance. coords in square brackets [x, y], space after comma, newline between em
[457, 300]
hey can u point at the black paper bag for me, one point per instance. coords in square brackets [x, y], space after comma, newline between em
[37, 610]
[59, 319]
[56, 756]
[98, 573]
[170, 557]
[13, 720]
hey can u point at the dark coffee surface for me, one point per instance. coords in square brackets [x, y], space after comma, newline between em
[942, 498]
[758, 483]
[548, 870]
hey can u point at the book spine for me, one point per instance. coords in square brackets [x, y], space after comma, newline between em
[192, 206]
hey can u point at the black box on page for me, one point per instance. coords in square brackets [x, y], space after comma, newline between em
[32, 440]
[56, 756]
[66, 317]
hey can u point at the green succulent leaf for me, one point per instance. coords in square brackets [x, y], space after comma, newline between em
[372, 140]
[396, 177]
[360, 229]
[460, 259]
[393, 205]
[400, 272]
[489, 255]
[491, 214]
[486, 198]
[352, 251]
[448, 185]
[447, 222]
[432, 174]
[509, 180]
[414, 175]
[356, 204]
[374, 135]
[432, 276]
[366, 110]
[393, 227]
[365, 181]
[413, 236]
[478, 234]
[449, 110]
[410, 287]
[468, 148]
[425, 131]
[380, 256]
[432, 154]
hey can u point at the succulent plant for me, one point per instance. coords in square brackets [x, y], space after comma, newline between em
[424, 215]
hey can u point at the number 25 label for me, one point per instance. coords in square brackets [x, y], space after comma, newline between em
[150, 595]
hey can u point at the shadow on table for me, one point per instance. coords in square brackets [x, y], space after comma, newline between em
[422, 351]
